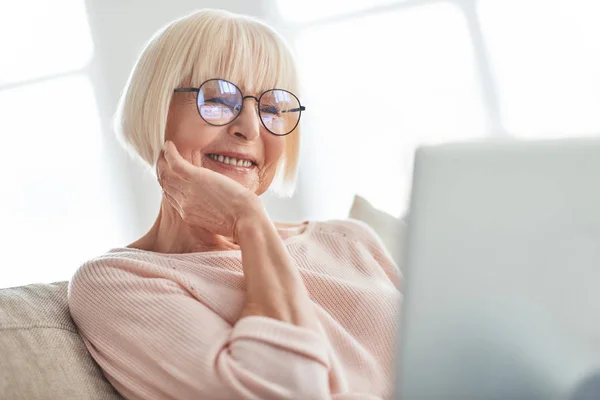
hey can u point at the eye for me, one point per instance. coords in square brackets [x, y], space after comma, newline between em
[220, 100]
[270, 110]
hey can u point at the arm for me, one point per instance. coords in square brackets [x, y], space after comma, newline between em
[154, 340]
[267, 264]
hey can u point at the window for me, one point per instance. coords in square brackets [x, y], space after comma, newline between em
[546, 64]
[56, 199]
[42, 38]
[314, 10]
[383, 77]
[379, 85]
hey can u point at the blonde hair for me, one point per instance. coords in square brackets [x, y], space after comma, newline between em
[203, 45]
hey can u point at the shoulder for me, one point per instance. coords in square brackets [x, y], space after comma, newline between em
[365, 236]
[116, 279]
[114, 259]
[113, 267]
[351, 230]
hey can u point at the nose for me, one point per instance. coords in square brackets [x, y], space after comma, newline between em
[247, 125]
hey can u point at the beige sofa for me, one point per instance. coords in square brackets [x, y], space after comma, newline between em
[42, 355]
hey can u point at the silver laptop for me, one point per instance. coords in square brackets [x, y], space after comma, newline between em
[502, 295]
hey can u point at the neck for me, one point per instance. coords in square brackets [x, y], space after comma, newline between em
[170, 234]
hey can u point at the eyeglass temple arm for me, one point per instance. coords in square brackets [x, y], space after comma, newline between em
[301, 108]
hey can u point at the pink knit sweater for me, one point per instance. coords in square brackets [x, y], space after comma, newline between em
[166, 326]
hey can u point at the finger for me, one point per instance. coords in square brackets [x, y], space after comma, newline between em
[161, 166]
[176, 162]
[197, 158]
[175, 189]
[172, 186]
[172, 201]
[163, 171]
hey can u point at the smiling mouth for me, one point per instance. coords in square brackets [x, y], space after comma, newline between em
[236, 162]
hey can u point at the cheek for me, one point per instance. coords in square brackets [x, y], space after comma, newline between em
[187, 131]
[274, 149]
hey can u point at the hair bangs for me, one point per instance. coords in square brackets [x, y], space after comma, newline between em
[248, 54]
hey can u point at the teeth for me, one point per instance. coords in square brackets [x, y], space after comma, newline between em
[231, 160]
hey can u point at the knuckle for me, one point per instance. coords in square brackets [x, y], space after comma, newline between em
[184, 212]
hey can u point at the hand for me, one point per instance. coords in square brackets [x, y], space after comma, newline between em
[203, 198]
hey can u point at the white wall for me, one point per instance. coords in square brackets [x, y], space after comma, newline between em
[379, 78]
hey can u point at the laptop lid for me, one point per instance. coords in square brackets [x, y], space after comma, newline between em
[502, 295]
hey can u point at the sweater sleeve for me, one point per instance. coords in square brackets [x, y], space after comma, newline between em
[154, 340]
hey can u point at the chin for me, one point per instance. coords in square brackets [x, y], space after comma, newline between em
[245, 176]
[249, 182]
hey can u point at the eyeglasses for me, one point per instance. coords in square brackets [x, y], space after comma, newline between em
[220, 102]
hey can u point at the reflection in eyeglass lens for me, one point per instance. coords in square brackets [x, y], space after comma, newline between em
[219, 102]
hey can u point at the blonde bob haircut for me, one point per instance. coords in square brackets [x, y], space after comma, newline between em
[203, 45]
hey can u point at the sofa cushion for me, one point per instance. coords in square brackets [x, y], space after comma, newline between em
[390, 229]
[42, 355]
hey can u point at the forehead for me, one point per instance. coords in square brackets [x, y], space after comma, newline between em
[253, 74]
[229, 86]
[250, 74]
[250, 86]
[247, 54]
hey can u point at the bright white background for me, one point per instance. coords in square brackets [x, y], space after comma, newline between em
[379, 77]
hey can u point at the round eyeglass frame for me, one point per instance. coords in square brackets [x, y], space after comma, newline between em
[197, 90]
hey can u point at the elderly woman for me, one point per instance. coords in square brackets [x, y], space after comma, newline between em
[216, 301]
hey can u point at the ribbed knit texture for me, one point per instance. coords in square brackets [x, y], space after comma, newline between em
[166, 326]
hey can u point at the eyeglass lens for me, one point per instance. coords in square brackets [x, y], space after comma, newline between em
[220, 102]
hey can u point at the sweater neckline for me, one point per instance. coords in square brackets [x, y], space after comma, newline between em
[310, 225]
